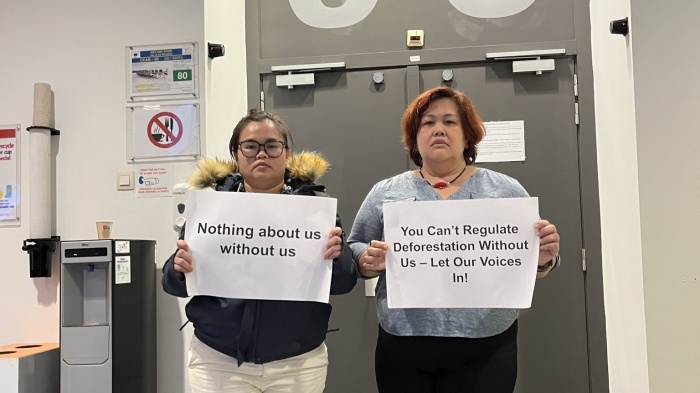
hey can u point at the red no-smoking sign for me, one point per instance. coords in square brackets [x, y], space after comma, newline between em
[165, 130]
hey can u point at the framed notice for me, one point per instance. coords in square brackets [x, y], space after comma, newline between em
[162, 71]
[9, 174]
[169, 132]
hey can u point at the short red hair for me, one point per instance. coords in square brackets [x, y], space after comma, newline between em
[472, 126]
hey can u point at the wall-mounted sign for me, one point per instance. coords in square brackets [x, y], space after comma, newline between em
[154, 180]
[164, 131]
[161, 70]
[9, 174]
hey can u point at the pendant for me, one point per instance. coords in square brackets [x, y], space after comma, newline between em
[440, 185]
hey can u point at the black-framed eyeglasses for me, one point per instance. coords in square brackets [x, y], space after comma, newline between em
[273, 149]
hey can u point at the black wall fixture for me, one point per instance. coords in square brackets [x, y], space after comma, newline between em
[620, 26]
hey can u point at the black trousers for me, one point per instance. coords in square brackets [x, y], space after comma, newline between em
[421, 364]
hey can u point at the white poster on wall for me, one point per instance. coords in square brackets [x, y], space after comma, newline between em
[161, 70]
[9, 174]
[153, 180]
[504, 142]
[165, 131]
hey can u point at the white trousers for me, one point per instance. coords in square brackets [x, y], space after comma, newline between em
[211, 371]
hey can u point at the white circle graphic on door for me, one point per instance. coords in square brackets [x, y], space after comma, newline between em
[491, 8]
[316, 14]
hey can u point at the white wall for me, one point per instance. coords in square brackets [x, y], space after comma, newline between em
[666, 86]
[619, 200]
[78, 47]
[646, 102]
[226, 89]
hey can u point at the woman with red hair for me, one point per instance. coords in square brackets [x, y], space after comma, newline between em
[442, 350]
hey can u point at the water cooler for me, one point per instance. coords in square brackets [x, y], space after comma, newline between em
[108, 316]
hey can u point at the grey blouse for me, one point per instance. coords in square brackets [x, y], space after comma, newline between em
[445, 322]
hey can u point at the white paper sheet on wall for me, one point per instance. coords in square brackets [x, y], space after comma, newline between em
[504, 142]
[153, 180]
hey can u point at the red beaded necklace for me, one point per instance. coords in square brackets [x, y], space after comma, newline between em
[441, 184]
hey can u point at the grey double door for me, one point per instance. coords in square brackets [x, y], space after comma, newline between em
[355, 123]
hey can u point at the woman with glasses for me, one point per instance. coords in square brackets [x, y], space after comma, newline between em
[242, 345]
[442, 350]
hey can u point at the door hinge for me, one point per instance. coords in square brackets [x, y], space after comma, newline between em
[583, 259]
[575, 85]
[262, 100]
[576, 113]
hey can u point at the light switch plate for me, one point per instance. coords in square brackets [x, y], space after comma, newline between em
[125, 181]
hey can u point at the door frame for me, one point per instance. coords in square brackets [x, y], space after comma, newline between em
[591, 259]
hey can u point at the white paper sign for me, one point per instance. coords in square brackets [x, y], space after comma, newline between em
[477, 253]
[259, 246]
[153, 180]
[122, 247]
[122, 270]
[504, 142]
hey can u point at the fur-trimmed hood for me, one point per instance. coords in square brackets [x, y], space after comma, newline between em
[303, 166]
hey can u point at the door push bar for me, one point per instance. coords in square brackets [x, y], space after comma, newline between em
[529, 61]
[291, 79]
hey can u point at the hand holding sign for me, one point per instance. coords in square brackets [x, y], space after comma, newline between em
[335, 244]
[183, 259]
[373, 260]
[549, 241]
